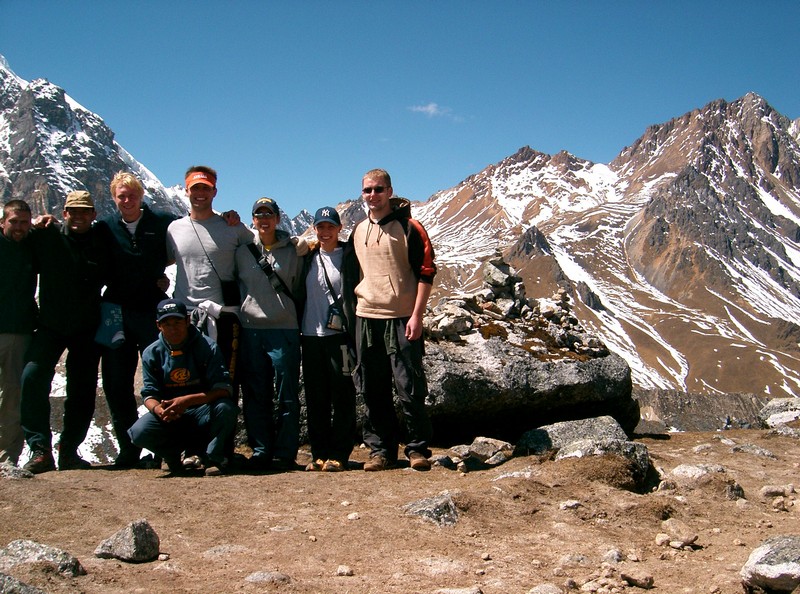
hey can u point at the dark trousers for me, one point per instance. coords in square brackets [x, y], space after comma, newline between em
[330, 397]
[387, 358]
[203, 428]
[119, 371]
[83, 356]
[229, 331]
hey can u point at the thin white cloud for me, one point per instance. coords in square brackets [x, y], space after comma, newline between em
[434, 110]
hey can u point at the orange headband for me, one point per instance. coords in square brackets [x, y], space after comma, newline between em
[200, 177]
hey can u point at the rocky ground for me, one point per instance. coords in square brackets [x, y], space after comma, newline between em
[571, 523]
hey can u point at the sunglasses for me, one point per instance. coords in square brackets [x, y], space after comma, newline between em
[376, 190]
[263, 215]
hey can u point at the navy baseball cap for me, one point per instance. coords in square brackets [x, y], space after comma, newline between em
[266, 203]
[170, 308]
[327, 214]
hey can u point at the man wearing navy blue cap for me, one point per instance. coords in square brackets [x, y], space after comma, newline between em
[270, 278]
[188, 392]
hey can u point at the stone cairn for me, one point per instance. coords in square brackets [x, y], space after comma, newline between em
[500, 308]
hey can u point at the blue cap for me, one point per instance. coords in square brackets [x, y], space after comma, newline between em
[327, 214]
[170, 308]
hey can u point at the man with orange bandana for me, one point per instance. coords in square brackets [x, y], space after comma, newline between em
[203, 247]
[397, 270]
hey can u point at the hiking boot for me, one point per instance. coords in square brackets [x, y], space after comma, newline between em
[174, 465]
[128, 459]
[284, 464]
[419, 461]
[41, 461]
[213, 470]
[315, 465]
[72, 461]
[192, 463]
[258, 463]
[333, 466]
[376, 463]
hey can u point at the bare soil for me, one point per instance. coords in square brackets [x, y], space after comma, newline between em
[512, 533]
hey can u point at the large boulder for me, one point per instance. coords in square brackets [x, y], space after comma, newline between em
[493, 387]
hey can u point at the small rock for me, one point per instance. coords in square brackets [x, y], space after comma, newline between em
[569, 504]
[353, 516]
[637, 579]
[774, 565]
[12, 585]
[440, 510]
[545, 589]
[613, 556]
[268, 577]
[780, 504]
[344, 570]
[679, 532]
[136, 543]
[749, 448]
[768, 491]
[28, 551]
[733, 492]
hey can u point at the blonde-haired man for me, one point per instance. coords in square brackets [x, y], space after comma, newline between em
[137, 283]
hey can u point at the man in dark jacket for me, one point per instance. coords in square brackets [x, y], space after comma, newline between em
[73, 264]
[137, 284]
[17, 289]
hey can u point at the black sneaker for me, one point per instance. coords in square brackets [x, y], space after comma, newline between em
[72, 462]
[128, 459]
[41, 461]
[283, 464]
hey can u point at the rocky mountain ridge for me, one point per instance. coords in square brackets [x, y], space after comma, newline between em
[682, 253]
[51, 145]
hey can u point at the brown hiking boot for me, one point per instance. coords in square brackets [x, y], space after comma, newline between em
[376, 463]
[418, 461]
[315, 465]
[41, 461]
[333, 466]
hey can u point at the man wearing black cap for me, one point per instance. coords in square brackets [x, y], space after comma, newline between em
[270, 276]
[187, 391]
[73, 265]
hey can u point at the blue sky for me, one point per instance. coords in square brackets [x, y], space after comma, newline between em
[296, 100]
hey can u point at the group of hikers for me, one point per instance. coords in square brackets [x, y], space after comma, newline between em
[249, 307]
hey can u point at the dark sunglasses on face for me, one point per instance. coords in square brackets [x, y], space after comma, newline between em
[376, 190]
[263, 215]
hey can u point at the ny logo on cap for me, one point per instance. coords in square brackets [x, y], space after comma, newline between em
[326, 212]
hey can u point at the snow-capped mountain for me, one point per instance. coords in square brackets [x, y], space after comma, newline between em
[683, 253]
[51, 145]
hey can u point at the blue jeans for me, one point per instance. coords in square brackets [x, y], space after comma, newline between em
[270, 365]
[205, 427]
[119, 370]
[83, 357]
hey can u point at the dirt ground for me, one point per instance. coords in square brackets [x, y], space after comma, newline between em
[513, 532]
